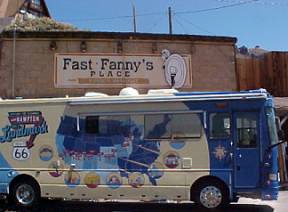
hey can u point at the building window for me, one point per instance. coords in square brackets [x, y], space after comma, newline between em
[34, 13]
[36, 3]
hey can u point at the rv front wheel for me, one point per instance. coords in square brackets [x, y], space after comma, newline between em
[211, 195]
[25, 193]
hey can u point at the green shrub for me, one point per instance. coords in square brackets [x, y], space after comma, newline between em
[38, 24]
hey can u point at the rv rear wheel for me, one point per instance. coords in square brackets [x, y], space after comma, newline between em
[25, 193]
[211, 194]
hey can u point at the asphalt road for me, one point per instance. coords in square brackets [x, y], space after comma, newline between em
[244, 204]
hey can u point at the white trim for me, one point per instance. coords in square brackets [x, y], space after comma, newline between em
[140, 113]
[176, 97]
[164, 98]
[78, 123]
[205, 119]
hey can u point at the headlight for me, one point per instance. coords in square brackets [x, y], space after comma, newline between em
[273, 177]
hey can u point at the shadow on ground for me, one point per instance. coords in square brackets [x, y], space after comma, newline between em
[72, 206]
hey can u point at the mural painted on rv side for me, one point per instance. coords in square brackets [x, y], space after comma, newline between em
[119, 154]
[118, 146]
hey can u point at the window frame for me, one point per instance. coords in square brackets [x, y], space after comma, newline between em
[211, 125]
[203, 118]
[99, 118]
[237, 143]
[36, 3]
[202, 121]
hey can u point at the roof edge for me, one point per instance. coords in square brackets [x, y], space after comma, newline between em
[117, 35]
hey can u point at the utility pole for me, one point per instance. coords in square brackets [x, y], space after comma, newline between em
[134, 19]
[170, 20]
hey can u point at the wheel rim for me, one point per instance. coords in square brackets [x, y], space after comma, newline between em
[25, 194]
[210, 197]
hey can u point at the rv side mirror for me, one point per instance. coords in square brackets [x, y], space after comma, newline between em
[281, 135]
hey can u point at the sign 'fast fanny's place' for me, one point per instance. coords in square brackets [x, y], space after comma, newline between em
[95, 70]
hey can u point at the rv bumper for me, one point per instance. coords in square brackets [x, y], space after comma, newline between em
[271, 193]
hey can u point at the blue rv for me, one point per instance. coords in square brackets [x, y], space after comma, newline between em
[207, 147]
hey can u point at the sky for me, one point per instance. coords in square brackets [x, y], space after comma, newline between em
[253, 22]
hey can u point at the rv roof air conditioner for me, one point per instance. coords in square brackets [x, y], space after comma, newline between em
[162, 91]
[95, 94]
[128, 92]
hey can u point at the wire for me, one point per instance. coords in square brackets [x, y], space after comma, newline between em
[263, 2]
[216, 47]
[164, 13]
[180, 24]
[116, 17]
[194, 25]
[156, 23]
[217, 8]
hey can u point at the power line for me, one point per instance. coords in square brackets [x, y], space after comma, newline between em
[217, 8]
[180, 24]
[116, 17]
[163, 13]
[155, 24]
[263, 2]
[194, 25]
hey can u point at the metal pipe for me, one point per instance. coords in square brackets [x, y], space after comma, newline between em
[13, 63]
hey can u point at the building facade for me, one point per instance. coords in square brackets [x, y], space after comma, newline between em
[9, 9]
[52, 64]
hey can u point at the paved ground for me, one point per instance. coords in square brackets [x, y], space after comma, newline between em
[244, 204]
[281, 205]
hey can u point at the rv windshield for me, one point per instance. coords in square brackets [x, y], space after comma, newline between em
[271, 125]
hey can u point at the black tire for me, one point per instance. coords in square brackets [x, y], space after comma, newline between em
[25, 193]
[211, 194]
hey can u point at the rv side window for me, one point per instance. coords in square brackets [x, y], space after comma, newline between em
[219, 125]
[173, 126]
[157, 126]
[114, 125]
[108, 125]
[92, 124]
[186, 126]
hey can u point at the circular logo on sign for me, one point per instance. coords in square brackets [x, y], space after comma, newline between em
[136, 180]
[171, 159]
[57, 168]
[46, 153]
[155, 170]
[175, 69]
[176, 144]
[92, 180]
[114, 180]
[72, 179]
